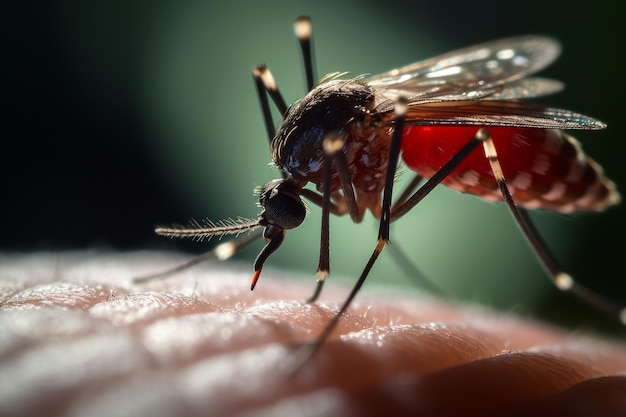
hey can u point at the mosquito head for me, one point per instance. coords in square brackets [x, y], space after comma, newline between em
[282, 204]
[283, 209]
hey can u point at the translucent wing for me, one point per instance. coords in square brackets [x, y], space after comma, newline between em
[494, 113]
[496, 70]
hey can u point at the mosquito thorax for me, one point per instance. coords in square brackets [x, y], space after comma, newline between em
[331, 106]
[282, 204]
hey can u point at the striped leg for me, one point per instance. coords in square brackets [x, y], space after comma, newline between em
[561, 280]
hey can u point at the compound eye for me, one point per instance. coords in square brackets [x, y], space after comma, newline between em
[282, 203]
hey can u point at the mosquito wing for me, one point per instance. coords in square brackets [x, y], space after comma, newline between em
[495, 70]
[493, 113]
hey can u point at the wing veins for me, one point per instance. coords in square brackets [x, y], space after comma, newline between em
[474, 70]
[495, 113]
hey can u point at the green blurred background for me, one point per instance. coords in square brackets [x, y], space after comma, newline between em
[122, 115]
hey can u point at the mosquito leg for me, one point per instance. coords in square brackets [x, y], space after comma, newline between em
[222, 252]
[323, 266]
[561, 280]
[302, 27]
[333, 146]
[407, 265]
[405, 203]
[439, 176]
[307, 351]
[265, 105]
[401, 258]
[264, 81]
[408, 191]
[318, 200]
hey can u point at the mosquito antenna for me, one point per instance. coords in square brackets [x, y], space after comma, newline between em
[302, 28]
[207, 230]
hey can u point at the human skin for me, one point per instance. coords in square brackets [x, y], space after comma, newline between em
[78, 338]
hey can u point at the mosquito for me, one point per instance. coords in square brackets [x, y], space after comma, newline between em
[346, 137]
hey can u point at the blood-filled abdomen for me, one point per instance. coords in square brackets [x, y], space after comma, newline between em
[543, 168]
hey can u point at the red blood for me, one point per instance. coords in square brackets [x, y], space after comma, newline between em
[543, 168]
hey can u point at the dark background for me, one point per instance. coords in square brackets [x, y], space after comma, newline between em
[122, 115]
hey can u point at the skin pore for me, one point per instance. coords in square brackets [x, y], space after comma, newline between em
[79, 338]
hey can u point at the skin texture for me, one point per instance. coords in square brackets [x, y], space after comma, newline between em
[77, 337]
